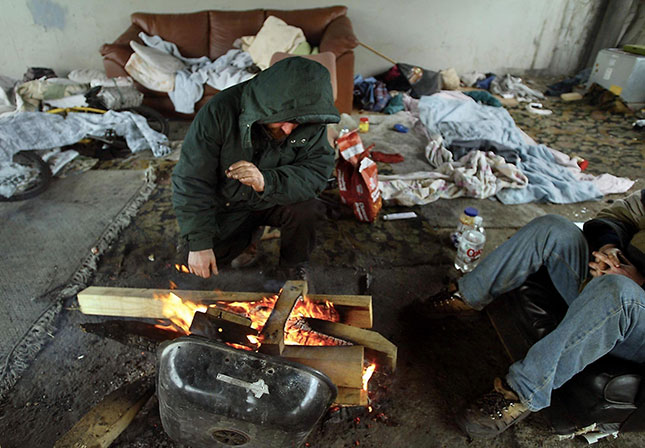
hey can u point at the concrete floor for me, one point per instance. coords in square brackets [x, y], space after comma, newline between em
[442, 364]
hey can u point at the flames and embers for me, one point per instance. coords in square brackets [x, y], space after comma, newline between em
[180, 312]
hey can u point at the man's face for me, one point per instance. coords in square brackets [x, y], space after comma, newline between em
[279, 131]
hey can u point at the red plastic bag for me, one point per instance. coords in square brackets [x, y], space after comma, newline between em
[358, 178]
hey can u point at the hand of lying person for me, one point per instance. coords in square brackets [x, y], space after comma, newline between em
[202, 263]
[623, 267]
[247, 173]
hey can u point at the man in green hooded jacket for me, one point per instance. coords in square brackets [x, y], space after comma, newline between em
[256, 154]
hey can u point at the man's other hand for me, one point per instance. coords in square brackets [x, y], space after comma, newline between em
[614, 263]
[248, 174]
[202, 263]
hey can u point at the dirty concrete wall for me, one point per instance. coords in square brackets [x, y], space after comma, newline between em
[483, 35]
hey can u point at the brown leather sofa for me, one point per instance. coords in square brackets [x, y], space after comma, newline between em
[212, 33]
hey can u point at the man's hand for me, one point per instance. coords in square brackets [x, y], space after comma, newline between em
[614, 262]
[202, 263]
[247, 173]
[604, 258]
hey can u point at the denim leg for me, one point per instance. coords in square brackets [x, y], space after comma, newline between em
[551, 240]
[607, 317]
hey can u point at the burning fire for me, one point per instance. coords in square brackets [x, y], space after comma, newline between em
[182, 268]
[178, 311]
[367, 374]
[296, 331]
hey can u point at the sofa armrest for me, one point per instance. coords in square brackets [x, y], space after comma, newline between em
[116, 54]
[339, 37]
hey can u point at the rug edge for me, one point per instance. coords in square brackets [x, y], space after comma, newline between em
[34, 340]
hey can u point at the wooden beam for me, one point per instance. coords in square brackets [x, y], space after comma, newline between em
[272, 334]
[384, 350]
[354, 310]
[105, 421]
[342, 364]
[349, 396]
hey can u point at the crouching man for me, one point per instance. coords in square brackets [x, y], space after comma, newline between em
[256, 154]
[605, 315]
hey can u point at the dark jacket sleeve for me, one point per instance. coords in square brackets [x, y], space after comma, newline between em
[304, 178]
[194, 182]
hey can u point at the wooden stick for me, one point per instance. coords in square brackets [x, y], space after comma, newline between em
[354, 310]
[377, 53]
[350, 396]
[371, 340]
[342, 364]
[272, 334]
[105, 421]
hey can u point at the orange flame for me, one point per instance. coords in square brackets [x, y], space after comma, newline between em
[178, 311]
[367, 374]
[173, 285]
[182, 268]
[295, 332]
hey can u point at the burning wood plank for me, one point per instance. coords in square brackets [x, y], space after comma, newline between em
[351, 396]
[385, 350]
[146, 303]
[343, 365]
[272, 334]
[105, 421]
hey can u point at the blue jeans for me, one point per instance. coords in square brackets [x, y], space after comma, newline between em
[604, 318]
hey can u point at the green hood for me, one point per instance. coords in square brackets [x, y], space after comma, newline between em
[294, 89]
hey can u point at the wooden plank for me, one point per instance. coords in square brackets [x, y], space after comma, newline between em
[272, 334]
[342, 364]
[227, 315]
[385, 351]
[105, 421]
[355, 310]
[349, 396]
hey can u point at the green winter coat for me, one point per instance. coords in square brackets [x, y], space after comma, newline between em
[209, 206]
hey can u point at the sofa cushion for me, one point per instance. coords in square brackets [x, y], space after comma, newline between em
[226, 26]
[189, 31]
[274, 36]
[149, 76]
[312, 21]
[161, 61]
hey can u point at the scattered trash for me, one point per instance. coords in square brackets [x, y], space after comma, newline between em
[639, 124]
[151, 257]
[394, 216]
[400, 128]
[538, 109]
[572, 96]
[364, 124]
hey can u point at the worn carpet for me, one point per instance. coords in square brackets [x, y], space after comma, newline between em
[50, 247]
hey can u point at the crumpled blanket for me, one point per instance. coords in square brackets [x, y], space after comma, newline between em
[478, 174]
[275, 36]
[40, 130]
[463, 122]
[226, 71]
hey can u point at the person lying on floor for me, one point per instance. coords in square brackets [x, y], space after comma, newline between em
[605, 298]
[256, 154]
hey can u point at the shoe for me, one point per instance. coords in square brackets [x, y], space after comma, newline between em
[300, 272]
[447, 302]
[246, 258]
[493, 413]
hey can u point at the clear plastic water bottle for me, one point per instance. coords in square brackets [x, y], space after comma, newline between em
[469, 250]
[468, 219]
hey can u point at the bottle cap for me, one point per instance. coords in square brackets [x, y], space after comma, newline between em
[471, 211]
[364, 119]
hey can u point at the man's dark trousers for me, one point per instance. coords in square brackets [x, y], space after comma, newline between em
[297, 223]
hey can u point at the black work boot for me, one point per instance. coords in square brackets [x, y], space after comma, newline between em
[493, 412]
[300, 272]
[447, 302]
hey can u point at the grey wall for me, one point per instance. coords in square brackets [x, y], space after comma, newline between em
[484, 35]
